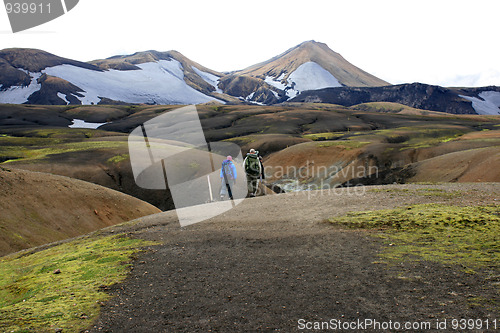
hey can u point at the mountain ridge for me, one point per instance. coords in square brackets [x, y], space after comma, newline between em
[17, 67]
[34, 60]
[308, 71]
[416, 95]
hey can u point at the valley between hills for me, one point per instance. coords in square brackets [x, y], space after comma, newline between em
[412, 238]
[305, 147]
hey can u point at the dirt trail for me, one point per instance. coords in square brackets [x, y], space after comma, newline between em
[274, 260]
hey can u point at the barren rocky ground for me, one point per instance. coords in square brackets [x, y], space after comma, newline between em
[274, 260]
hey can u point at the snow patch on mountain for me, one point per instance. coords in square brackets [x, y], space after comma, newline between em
[291, 93]
[159, 82]
[20, 94]
[79, 123]
[63, 97]
[311, 76]
[308, 76]
[275, 82]
[488, 102]
[211, 79]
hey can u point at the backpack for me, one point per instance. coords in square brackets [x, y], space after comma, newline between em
[252, 165]
[227, 169]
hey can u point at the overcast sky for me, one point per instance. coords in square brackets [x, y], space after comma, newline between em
[449, 43]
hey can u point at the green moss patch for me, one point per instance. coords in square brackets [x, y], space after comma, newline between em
[421, 137]
[32, 145]
[323, 136]
[27, 141]
[118, 158]
[242, 140]
[468, 235]
[35, 297]
[37, 153]
[345, 144]
[64, 133]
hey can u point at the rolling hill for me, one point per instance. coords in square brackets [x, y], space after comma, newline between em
[390, 141]
[39, 208]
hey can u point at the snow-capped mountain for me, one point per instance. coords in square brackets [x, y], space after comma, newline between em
[308, 66]
[38, 77]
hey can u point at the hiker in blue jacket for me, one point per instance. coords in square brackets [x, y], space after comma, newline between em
[228, 177]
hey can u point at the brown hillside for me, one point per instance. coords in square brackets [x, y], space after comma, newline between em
[474, 165]
[39, 208]
[35, 60]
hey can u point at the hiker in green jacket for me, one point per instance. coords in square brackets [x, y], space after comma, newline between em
[253, 170]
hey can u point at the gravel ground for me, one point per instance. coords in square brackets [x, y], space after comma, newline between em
[274, 261]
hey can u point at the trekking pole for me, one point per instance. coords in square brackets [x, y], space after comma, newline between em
[213, 170]
[210, 189]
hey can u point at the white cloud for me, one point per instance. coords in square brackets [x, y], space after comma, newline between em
[481, 79]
